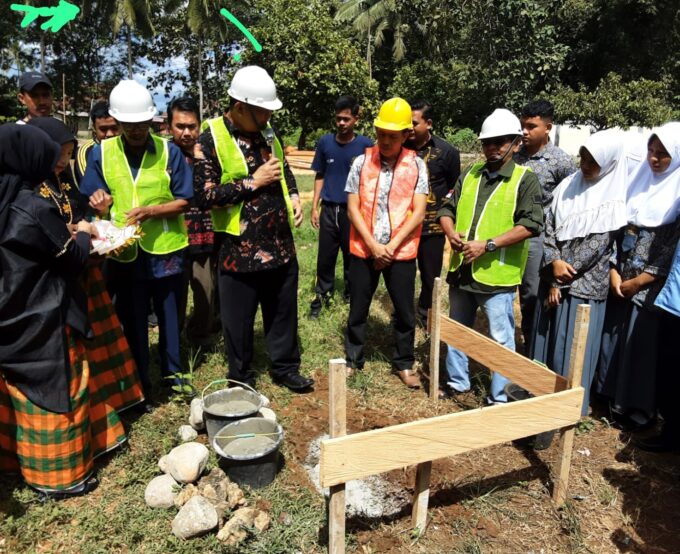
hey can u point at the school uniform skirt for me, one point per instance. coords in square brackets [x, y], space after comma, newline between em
[627, 365]
[554, 335]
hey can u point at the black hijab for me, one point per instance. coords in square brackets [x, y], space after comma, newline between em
[27, 157]
[56, 130]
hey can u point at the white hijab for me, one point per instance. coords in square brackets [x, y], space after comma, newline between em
[654, 199]
[583, 208]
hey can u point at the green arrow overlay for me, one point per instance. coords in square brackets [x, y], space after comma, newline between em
[231, 17]
[58, 15]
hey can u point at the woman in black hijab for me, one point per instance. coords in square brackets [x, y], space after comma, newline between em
[47, 412]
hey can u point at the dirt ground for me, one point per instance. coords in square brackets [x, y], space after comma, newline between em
[498, 499]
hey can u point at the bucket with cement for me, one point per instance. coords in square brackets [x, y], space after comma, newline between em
[540, 441]
[227, 405]
[249, 450]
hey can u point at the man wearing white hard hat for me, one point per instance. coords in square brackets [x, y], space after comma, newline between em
[140, 179]
[241, 175]
[488, 217]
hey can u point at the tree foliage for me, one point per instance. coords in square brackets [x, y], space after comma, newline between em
[312, 61]
[615, 103]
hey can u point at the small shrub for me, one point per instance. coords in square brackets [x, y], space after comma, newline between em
[465, 140]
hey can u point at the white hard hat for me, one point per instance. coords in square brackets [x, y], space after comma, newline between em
[253, 85]
[500, 123]
[130, 102]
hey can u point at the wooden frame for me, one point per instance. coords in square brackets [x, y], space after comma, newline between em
[556, 404]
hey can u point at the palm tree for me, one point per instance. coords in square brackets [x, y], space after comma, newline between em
[376, 17]
[133, 15]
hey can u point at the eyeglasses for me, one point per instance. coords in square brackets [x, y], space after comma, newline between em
[137, 126]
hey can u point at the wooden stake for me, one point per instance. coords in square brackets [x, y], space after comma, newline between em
[576, 361]
[421, 496]
[435, 334]
[337, 414]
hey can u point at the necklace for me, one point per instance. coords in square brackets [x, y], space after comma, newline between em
[60, 199]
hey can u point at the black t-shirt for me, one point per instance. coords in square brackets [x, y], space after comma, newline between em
[443, 168]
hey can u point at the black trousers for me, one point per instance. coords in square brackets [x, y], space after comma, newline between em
[333, 236]
[400, 282]
[430, 259]
[133, 296]
[275, 291]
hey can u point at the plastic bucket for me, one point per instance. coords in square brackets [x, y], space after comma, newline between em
[249, 450]
[227, 405]
[538, 442]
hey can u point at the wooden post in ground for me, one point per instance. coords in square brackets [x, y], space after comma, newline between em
[337, 415]
[576, 360]
[421, 496]
[435, 335]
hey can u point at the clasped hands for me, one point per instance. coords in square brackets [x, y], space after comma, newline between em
[383, 254]
[471, 249]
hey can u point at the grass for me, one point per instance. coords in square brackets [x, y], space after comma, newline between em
[114, 518]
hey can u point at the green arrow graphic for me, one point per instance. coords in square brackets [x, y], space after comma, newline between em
[231, 17]
[59, 15]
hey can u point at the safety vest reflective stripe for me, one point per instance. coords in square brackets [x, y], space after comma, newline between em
[150, 187]
[505, 266]
[233, 166]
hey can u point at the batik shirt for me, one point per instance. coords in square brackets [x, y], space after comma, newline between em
[550, 164]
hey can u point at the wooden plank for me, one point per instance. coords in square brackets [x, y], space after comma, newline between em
[576, 361]
[535, 378]
[435, 335]
[421, 496]
[362, 454]
[337, 414]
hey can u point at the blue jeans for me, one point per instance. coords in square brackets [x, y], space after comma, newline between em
[498, 310]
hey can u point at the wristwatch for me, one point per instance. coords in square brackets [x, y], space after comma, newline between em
[491, 246]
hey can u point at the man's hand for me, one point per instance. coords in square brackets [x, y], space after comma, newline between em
[138, 215]
[554, 297]
[457, 241]
[268, 173]
[84, 226]
[615, 283]
[563, 272]
[100, 200]
[630, 288]
[381, 254]
[298, 216]
[472, 250]
[315, 217]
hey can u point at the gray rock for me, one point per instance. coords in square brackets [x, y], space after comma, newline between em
[186, 494]
[187, 433]
[267, 413]
[214, 483]
[236, 529]
[187, 461]
[265, 401]
[196, 414]
[195, 518]
[161, 492]
[163, 464]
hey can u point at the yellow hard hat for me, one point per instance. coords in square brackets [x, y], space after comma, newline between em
[394, 115]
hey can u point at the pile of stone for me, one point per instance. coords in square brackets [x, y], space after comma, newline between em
[206, 503]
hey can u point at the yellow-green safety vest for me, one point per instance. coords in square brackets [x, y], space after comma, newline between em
[505, 266]
[233, 166]
[150, 187]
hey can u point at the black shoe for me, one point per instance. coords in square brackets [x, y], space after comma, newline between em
[295, 381]
[662, 442]
[315, 308]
